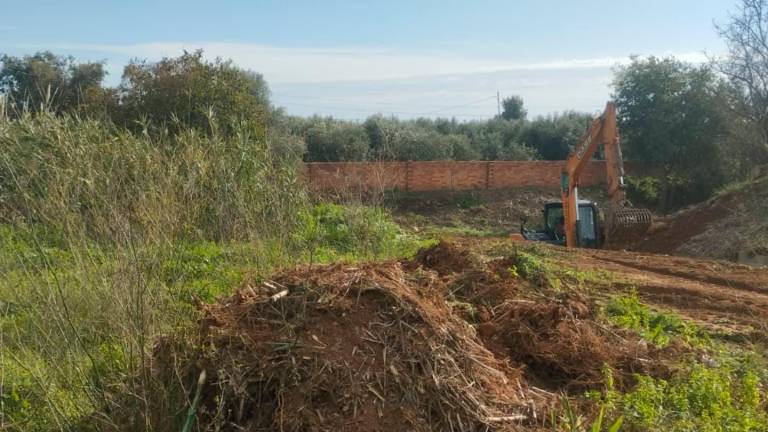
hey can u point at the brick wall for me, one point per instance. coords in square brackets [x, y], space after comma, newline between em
[446, 175]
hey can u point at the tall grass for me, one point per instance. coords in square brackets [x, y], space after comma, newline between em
[110, 240]
[77, 176]
[100, 231]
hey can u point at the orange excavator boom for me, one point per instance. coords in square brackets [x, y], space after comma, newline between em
[623, 223]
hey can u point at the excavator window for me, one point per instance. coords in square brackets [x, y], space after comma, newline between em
[555, 218]
[587, 226]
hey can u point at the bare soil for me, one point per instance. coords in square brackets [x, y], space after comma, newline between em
[717, 294]
[448, 341]
[730, 226]
[496, 211]
[670, 233]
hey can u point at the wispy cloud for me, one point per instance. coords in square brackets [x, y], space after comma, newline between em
[323, 65]
[354, 82]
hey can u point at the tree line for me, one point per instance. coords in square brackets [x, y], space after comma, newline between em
[697, 125]
[189, 92]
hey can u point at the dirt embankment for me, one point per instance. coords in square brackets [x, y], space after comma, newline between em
[448, 341]
[732, 226]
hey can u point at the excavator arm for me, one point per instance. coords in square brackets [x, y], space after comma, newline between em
[623, 224]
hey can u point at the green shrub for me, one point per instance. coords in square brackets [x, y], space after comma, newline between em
[331, 231]
[657, 327]
[700, 399]
[643, 191]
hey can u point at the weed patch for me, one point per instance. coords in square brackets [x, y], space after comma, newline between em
[204, 270]
[657, 327]
[717, 390]
[725, 397]
[545, 269]
[331, 232]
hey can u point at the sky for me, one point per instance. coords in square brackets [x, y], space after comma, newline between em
[408, 58]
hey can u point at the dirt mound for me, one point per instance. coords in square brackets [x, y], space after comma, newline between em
[730, 226]
[394, 346]
[670, 233]
[564, 349]
[346, 348]
[444, 258]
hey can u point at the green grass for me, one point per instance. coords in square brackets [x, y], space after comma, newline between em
[330, 232]
[70, 318]
[701, 398]
[657, 327]
[726, 394]
[715, 388]
[110, 239]
[545, 268]
[462, 230]
[424, 226]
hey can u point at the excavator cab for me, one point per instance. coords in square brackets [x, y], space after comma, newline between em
[589, 234]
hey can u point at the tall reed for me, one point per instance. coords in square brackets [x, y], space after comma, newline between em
[90, 218]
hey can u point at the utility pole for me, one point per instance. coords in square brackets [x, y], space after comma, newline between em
[498, 103]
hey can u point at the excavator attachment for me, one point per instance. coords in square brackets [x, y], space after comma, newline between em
[626, 226]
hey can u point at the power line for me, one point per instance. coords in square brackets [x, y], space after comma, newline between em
[389, 110]
[339, 108]
[382, 111]
[332, 101]
[460, 106]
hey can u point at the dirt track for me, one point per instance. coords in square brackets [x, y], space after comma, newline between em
[718, 295]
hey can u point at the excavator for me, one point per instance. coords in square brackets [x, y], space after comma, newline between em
[579, 223]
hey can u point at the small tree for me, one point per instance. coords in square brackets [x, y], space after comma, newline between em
[188, 92]
[51, 82]
[513, 108]
[746, 36]
[670, 117]
[461, 147]
[421, 145]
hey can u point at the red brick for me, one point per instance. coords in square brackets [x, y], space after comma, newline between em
[451, 175]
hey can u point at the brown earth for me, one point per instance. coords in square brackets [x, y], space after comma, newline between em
[496, 212]
[444, 258]
[670, 233]
[731, 226]
[451, 340]
[720, 295]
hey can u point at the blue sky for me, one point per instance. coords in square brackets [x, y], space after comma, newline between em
[408, 58]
